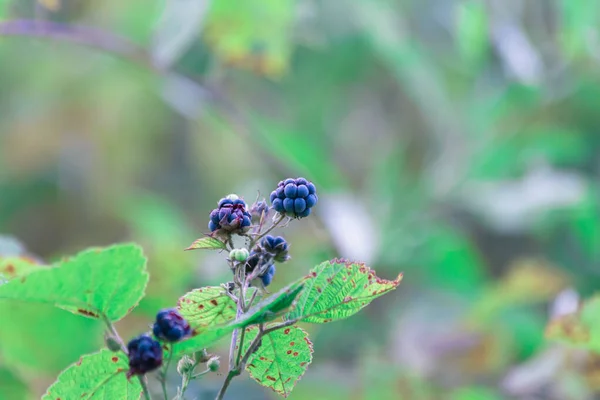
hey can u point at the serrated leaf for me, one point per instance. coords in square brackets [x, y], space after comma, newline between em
[337, 289]
[96, 282]
[271, 307]
[207, 243]
[96, 376]
[281, 359]
[207, 306]
[12, 267]
[266, 310]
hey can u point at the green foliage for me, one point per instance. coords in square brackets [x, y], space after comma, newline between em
[337, 289]
[95, 283]
[281, 359]
[207, 306]
[96, 376]
[273, 306]
[207, 243]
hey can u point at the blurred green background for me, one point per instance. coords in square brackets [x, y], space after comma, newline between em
[454, 140]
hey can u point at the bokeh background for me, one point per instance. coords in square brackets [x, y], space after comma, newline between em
[454, 140]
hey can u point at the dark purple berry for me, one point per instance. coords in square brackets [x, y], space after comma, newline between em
[299, 205]
[225, 201]
[212, 226]
[311, 200]
[288, 181]
[268, 276]
[273, 195]
[278, 205]
[170, 326]
[279, 192]
[145, 354]
[288, 205]
[311, 188]
[246, 221]
[290, 190]
[301, 181]
[302, 191]
[304, 213]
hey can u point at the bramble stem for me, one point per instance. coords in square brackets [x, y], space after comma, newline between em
[113, 331]
[232, 374]
[163, 379]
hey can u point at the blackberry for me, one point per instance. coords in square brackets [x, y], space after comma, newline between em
[145, 354]
[294, 197]
[276, 247]
[170, 326]
[230, 216]
[267, 277]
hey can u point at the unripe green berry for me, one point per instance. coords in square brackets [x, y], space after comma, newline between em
[112, 343]
[239, 255]
[185, 365]
[213, 364]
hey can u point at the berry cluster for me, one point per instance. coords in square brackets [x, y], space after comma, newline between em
[170, 326]
[230, 216]
[294, 197]
[269, 250]
[145, 354]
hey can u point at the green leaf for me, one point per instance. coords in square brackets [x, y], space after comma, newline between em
[337, 289]
[207, 243]
[271, 307]
[97, 282]
[203, 339]
[12, 267]
[281, 359]
[206, 307]
[11, 387]
[39, 336]
[96, 376]
[266, 310]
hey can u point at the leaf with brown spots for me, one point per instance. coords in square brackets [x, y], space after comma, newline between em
[337, 289]
[207, 306]
[281, 359]
[12, 267]
[99, 375]
[207, 243]
[271, 308]
[96, 282]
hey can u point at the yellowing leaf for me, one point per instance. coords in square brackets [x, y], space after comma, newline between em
[207, 243]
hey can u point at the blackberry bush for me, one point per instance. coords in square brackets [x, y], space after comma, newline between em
[107, 283]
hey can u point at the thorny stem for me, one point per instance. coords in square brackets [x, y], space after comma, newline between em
[113, 331]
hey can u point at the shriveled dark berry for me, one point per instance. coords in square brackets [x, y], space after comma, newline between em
[145, 355]
[277, 247]
[170, 326]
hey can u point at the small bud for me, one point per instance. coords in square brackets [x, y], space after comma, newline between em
[239, 255]
[185, 365]
[112, 343]
[213, 364]
[202, 356]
